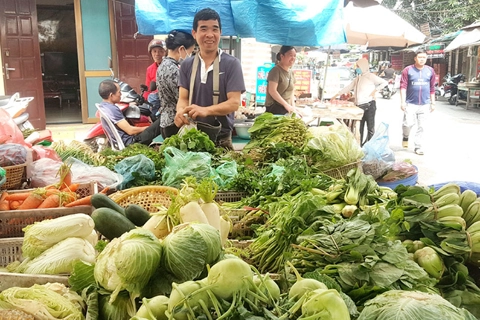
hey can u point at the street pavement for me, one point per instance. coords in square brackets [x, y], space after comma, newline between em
[451, 136]
[452, 152]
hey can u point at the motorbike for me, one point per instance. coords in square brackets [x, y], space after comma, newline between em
[390, 89]
[16, 107]
[136, 110]
[451, 86]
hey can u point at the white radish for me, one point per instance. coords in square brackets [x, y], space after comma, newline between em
[158, 225]
[192, 212]
[225, 227]
[212, 213]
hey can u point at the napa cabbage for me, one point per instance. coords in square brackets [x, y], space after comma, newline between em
[60, 258]
[43, 302]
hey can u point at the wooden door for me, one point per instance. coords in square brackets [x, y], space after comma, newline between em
[133, 56]
[21, 55]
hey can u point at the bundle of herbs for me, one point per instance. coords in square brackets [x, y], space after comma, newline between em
[274, 137]
[192, 140]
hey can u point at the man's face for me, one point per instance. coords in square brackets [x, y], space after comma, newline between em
[421, 59]
[115, 97]
[207, 35]
[158, 54]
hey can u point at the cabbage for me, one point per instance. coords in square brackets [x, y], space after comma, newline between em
[60, 258]
[42, 302]
[408, 305]
[128, 262]
[189, 248]
[123, 308]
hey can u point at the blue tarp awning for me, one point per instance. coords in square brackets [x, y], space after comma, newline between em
[286, 22]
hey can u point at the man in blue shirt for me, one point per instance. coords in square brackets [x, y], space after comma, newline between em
[417, 96]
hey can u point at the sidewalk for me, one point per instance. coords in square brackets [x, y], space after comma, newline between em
[69, 132]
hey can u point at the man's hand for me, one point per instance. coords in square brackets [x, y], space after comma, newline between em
[180, 119]
[195, 111]
[432, 107]
[402, 106]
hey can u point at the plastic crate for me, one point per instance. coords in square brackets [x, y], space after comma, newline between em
[341, 172]
[230, 196]
[12, 222]
[11, 251]
[14, 175]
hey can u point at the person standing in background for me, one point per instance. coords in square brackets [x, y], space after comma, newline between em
[417, 96]
[180, 46]
[196, 86]
[281, 83]
[364, 87]
[156, 48]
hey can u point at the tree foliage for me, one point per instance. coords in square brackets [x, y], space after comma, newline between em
[443, 16]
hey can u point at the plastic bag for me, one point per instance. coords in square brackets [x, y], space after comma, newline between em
[12, 154]
[400, 171]
[378, 155]
[9, 131]
[133, 167]
[227, 172]
[40, 152]
[180, 165]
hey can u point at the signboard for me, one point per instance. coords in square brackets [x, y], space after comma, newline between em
[302, 80]
[435, 51]
[262, 74]
[397, 62]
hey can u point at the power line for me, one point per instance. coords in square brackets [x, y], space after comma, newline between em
[436, 11]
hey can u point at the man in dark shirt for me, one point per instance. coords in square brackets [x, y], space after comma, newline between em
[207, 30]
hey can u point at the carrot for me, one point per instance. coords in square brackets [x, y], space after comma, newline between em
[4, 195]
[4, 205]
[15, 204]
[17, 196]
[65, 176]
[73, 187]
[51, 191]
[67, 197]
[86, 201]
[32, 201]
[52, 201]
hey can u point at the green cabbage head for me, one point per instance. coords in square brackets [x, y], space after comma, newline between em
[408, 305]
[189, 248]
[128, 262]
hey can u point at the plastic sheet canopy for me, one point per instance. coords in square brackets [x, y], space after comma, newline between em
[286, 22]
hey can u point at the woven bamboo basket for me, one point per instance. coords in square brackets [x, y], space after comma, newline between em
[14, 175]
[147, 197]
[341, 172]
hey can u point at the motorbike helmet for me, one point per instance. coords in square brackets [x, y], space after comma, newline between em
[156, 43]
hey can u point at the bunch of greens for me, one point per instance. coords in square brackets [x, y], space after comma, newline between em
[361, 258]
[289, 216]
[274, 137]
[332, 147]
[191, 140]
[266, 183]
[78, 150]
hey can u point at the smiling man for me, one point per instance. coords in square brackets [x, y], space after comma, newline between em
[197, 98]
